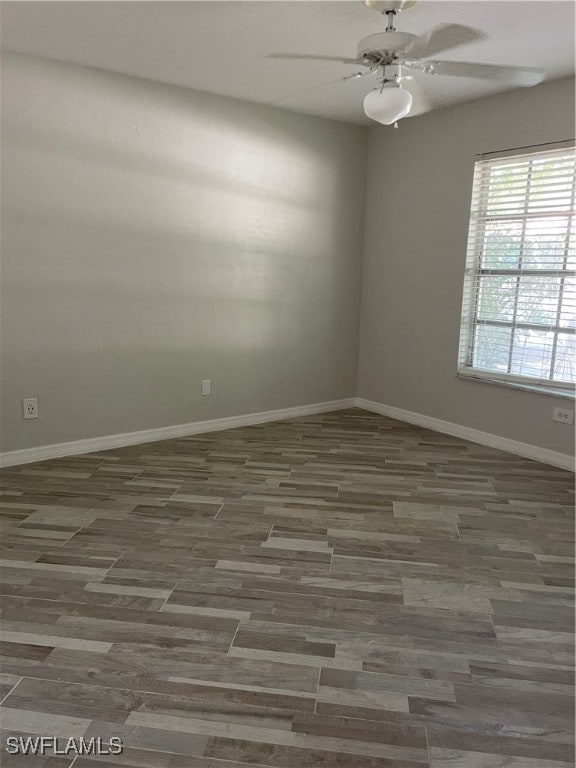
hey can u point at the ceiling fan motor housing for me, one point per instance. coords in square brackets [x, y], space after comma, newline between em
[386, 45]
[384, 6]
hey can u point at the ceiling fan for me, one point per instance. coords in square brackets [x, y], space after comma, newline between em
[387, 54]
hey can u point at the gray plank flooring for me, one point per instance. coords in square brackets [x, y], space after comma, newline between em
[334, 591]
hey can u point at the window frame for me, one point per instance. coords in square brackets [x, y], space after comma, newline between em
[469, 319]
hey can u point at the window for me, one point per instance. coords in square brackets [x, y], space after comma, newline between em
[519, 303]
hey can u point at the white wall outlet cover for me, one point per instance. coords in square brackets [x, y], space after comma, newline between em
[30, 408]
[563, 415]
[206, 387]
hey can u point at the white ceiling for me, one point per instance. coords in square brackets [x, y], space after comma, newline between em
[221, 47]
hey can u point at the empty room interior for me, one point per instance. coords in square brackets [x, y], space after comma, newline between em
[287, 384]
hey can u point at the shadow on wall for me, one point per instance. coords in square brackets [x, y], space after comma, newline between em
[151, 234]
[152, 129]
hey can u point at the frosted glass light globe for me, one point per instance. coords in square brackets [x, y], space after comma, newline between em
[388, 105]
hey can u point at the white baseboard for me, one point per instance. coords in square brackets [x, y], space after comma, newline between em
[525, 450]
[104, 443]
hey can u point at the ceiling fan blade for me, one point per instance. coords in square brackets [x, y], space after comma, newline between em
[358, 75]
[313, 57]
[444, 38]
[320, 86]
[520, 76]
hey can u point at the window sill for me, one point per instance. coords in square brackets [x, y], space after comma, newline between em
[565, 393]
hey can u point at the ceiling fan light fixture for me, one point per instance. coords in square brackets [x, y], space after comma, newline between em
[388, 104]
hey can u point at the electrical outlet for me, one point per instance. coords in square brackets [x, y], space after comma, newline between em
[563, 415]
[206, 387]
[30, 408]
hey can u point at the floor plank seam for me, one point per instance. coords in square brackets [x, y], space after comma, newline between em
[11, 691]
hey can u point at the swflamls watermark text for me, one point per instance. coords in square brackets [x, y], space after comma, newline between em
[51, 745]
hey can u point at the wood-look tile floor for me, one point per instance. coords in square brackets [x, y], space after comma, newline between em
[335, 591]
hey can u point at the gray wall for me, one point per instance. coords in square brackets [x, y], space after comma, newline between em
[417, 207]
[153, 237]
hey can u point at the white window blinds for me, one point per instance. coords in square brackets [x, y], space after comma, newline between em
[519, 303]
